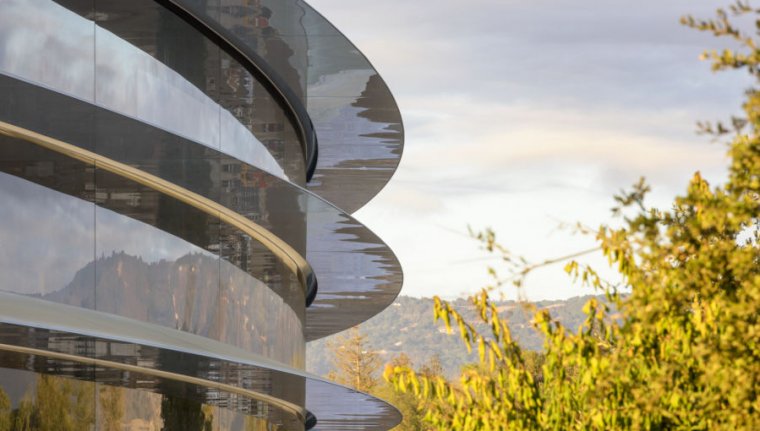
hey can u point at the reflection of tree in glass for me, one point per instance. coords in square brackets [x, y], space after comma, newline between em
[182, 414]
[64, 404]
[58, 404]
[253, 423]
[22, 417]
[5, 411]
[111, 408]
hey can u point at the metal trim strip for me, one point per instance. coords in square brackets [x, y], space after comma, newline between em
[292, 259]
[260, 68]
[289, 407]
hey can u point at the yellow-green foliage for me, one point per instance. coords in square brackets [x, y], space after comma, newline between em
[684, 351]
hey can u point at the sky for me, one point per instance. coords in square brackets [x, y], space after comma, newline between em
[527, 115]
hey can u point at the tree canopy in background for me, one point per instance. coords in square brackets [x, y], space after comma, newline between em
[355, 363]
[683, 352]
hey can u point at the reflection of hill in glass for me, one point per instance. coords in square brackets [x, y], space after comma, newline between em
[178, 294]
[196, 293]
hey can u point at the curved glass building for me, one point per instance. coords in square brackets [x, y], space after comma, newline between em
[177, 179]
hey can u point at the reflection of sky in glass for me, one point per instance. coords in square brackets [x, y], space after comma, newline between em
[117, 233]
[343, 83]
[38, 37]
[45, 236]
[339, 408]
[346, 134]
[129, 81]
[339, 112]
[48, 237]
[359, 147]
[152, 88]
[349, 259]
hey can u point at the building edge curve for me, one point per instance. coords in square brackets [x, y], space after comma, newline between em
[383, 99]
[135, 258]
[354, 163]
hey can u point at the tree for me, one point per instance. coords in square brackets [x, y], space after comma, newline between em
[432, 367]
[356, 365]
[684, 350]
[406, 403]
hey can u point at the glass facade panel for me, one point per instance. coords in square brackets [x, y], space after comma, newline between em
[32, 401]
[47, 223]
[31, 107]
[153, 66]
[248, 102]
[158, 261]
[35, 401]
[274, 31]
[336, 83]
[195, 89]
[140, 254]
[143, 61]
[154, 224]
[38, 37]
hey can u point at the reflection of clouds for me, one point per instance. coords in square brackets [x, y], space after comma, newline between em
[352, 136]
[118, 233]
[46, 236]
[357, 157]
[345, 83]
[338, 124]
[132, 82]
[129, 81]
[34, 46]
[366, 412]
[349, 259]
[525, 145]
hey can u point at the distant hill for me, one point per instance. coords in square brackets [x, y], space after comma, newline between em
[407, 326]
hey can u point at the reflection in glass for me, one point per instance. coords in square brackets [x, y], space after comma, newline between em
[355, 117]
[47, 240]
[38, 37]
[139, 254]
[274, 30]
[43, 402]
[145, 273]
[242, 323]
[162, 43]
[32, 401]
[75, 57]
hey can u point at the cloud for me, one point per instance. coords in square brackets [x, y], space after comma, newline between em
[472, 137]
[521, 113]
[592, 51]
